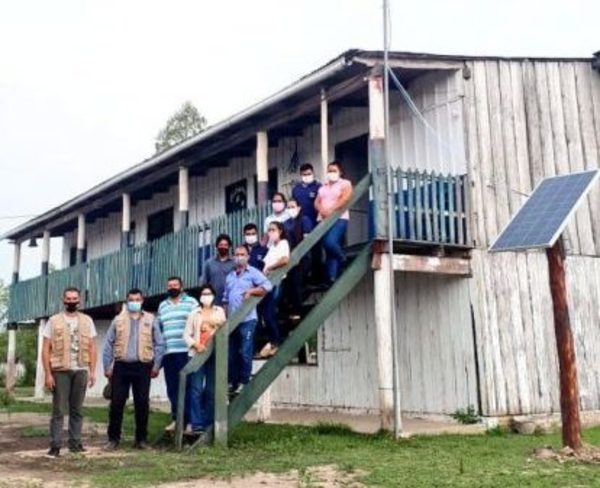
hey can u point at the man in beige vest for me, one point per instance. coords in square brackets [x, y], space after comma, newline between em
[69, 357]
[132, 355]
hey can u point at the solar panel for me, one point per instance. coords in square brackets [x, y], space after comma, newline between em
[541, 220]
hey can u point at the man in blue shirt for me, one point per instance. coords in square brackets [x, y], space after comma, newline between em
[305, 193]
[242, 283]
[256, 250]
[172, 316]
[133, 352]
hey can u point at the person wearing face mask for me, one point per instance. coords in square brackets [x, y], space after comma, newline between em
[200, 328]
[69, 360]
[256, 250]
[172, 316]
[296, 227]
[216, 269]
[305, 192]
[280, 214]
[243, 282]
[334, 195]
[132, 355]
[277, 257]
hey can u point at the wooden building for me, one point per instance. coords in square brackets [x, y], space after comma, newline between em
[473, 328]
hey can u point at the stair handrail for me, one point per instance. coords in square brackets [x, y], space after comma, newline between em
[275, 278]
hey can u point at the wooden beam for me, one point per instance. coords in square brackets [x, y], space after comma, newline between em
[569, 388]
[414, 64]
[430, 264]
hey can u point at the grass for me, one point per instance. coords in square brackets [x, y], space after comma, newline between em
[497, 459]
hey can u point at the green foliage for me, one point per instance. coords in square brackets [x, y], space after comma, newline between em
[26, 353]
[183, 124]
[467, 415]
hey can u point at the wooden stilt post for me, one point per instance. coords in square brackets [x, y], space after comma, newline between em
[39, 372]
[324, 136]
[80, 238]
[11, 353]
[262, 167]
[382, 283]
[184, 197]
[125, 220]
[569, 389]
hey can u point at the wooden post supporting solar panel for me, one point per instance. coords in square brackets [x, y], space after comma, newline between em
[569, 388]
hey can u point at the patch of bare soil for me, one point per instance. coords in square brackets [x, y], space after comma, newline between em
[587, 454]
[318, 477]
[23, 443]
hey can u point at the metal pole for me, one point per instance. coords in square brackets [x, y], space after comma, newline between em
[391, 207]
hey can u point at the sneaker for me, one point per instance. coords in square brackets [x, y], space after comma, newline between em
[143, 445]
[171, 427]
[265, 352]
[77, 448]
[111, 446]
[52, 453]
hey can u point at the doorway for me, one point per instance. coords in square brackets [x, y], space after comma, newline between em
[353, 154]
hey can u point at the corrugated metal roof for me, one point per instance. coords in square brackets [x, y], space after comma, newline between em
[337, 65]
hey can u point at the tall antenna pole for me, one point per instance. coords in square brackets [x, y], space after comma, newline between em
[391, 207]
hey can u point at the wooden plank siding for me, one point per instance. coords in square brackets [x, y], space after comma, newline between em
[437, 362]
[524, 121]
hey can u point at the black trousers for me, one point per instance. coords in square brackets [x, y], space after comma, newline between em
[137, 377]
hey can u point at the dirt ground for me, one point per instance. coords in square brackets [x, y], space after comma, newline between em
[23, 443]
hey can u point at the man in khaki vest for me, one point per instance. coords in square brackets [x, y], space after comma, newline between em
[132, 355]
[69, 357]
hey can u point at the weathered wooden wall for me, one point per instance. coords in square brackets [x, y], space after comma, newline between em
[435, 346]
[524, 121]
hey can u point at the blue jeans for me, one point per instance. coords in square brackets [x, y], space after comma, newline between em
[241, 352]
[334, 252]
[271, 307]
[202, 396]
[172, 364]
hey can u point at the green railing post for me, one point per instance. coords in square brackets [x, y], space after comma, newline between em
[221, 425]
[180, 410]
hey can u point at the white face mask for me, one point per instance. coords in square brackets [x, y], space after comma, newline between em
[333, 176]
[294, 212]
[278, 207]
[308, 179]
[207, 300]
[251, 240]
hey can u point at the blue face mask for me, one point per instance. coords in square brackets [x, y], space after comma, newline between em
[134, 307]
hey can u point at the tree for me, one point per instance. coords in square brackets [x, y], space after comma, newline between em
[3, 304]
[184, 123]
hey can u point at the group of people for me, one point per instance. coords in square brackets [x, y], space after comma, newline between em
[138, 344]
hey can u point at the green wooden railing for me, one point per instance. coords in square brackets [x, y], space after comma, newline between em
[221, 414]
[105, 280]
[430, 208]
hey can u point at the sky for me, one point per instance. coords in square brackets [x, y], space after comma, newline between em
[85, 86]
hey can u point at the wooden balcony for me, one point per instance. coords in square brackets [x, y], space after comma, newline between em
[431, 212]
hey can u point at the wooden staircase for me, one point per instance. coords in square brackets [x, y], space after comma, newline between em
[227, 415]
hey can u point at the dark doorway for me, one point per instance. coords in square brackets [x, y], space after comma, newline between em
[353, 154]
[236, 196]
[160, 224]
[272, 185]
